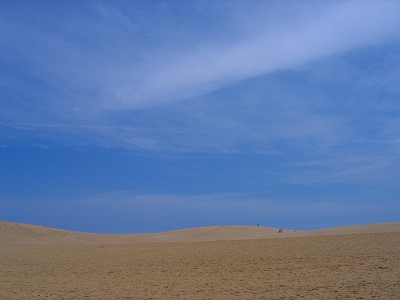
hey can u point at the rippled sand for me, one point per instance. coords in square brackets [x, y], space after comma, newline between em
[334, 264]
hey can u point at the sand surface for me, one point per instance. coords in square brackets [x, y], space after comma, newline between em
[234, 262]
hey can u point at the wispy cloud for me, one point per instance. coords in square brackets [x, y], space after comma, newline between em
[111, 71]
[337, 27]
[315, 82]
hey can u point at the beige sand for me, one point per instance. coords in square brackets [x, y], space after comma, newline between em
[233, 262]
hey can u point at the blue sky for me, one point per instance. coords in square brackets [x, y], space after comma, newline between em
[146, 116]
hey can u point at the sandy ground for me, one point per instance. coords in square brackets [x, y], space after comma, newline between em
[344, 263]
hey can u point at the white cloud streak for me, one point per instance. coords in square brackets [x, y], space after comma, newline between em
[122, 70]
[337, 27]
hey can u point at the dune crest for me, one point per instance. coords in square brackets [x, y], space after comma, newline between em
[17, 233]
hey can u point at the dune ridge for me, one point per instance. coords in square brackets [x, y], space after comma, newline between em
[18, 233]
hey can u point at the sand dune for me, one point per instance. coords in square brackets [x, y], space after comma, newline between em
[228, 262]
[16, 233]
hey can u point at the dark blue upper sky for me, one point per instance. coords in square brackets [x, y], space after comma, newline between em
[143, 116]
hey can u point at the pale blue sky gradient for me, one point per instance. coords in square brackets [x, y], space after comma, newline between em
[143, 116]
